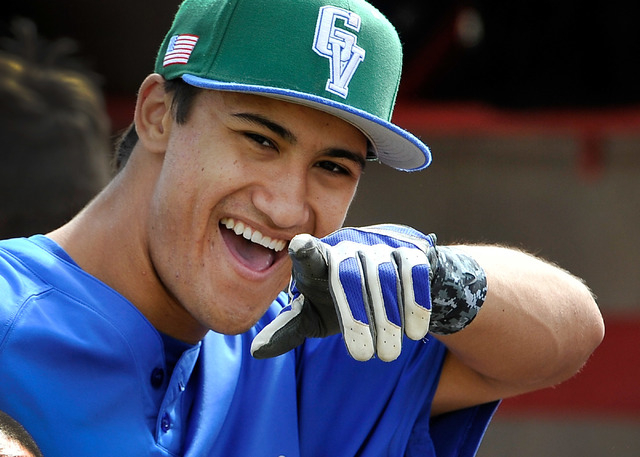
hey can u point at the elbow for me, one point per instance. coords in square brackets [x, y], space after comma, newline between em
[587, 334]
[596, 329]
[593, 329]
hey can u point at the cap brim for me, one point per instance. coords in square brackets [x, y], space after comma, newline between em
[392, 145]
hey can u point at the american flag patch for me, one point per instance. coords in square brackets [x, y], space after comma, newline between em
[179, 49]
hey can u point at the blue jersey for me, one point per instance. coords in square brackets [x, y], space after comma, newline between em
[86, 374]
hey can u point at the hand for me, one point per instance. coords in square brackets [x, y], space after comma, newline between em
[372, 284]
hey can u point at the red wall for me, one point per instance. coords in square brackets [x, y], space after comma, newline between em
[609, 384]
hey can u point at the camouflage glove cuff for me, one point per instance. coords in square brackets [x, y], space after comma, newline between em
[458, 289]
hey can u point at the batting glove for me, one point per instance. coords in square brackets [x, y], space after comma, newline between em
[373, 284]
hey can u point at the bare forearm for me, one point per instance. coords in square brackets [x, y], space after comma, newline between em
[537, 327]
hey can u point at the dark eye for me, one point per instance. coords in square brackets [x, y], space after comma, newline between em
[261, 140]
[333, 167]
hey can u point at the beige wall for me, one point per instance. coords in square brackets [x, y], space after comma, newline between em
[527, 191]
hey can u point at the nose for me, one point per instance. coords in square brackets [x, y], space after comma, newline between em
[284, 201]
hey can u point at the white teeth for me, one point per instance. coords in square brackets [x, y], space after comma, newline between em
[247, 233]
[253, 235]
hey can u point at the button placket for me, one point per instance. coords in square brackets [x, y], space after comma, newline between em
[172, 415]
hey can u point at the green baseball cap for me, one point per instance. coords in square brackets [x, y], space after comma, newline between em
[339, 56]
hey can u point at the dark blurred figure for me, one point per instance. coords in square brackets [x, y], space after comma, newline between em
[15, 440]
[54, 133]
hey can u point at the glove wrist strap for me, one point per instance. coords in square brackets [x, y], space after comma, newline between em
[458, 290]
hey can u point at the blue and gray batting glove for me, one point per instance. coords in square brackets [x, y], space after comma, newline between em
[374, 285]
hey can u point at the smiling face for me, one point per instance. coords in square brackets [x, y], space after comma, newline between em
[239, 179]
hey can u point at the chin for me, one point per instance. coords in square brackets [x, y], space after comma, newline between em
[234, 329]
[236, 314]
[238, 323]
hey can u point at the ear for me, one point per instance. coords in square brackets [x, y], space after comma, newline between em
[153, 116]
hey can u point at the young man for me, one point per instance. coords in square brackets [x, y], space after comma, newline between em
[154, 324]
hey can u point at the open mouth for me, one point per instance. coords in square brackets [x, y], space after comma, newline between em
[253, 249]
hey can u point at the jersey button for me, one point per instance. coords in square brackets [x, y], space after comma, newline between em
[165, 423]
[157, 377]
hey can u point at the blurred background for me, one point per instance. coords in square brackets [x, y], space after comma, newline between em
[532, 111]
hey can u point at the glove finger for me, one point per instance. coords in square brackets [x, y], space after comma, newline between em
[346, 283]
[415, 291]
[310, 270]
[311, 275]
[381, 279]
[307, 254]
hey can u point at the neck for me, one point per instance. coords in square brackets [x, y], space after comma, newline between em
[109, 240]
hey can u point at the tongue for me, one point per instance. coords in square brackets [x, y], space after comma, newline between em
[251, 254]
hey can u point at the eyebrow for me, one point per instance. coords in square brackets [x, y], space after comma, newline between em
[276, 128]
[290, 137]
[345, 154]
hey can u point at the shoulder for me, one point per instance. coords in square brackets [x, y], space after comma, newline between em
[29, 265]
[32, 266]
[18, 281]
[41, 285]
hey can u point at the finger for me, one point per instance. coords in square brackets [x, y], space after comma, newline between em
[381, 279]
[415, 292]
[307, 255]
[311, 275]
[346, 284]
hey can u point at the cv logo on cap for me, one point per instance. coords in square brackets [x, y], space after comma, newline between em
[339, 46]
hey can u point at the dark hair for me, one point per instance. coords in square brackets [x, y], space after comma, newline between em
[183, 96]
[12, 430]
[54, 135]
